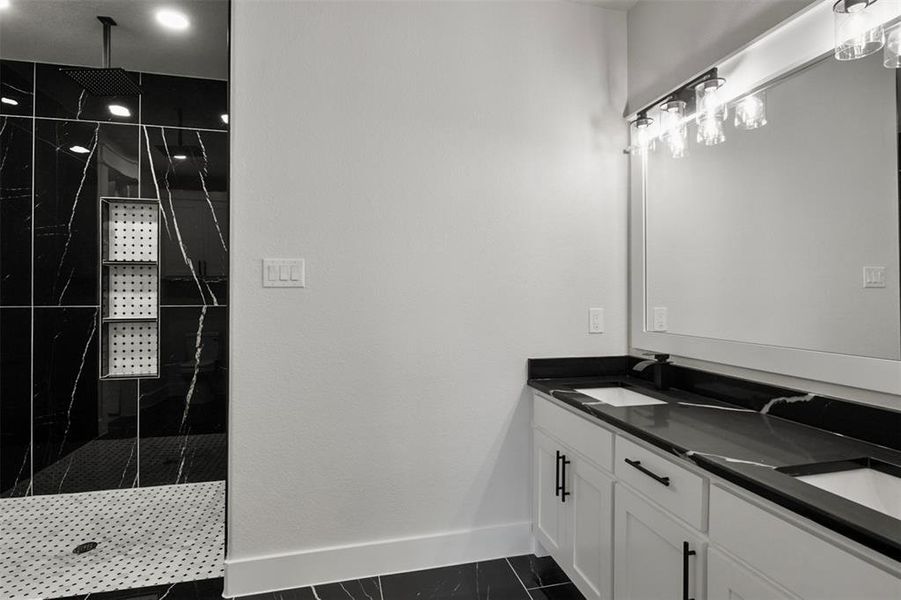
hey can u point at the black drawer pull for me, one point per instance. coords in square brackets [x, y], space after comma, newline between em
[685, 554]
[654, 476]
[557, 486]
[563, 492]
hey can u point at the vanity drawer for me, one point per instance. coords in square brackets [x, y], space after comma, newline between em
[799, 561]
[589, 439]
[676, 489]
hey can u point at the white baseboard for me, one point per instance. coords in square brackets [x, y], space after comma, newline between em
[270, 573]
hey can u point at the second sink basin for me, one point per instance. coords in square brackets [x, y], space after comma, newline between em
[619, 396]
[872, 483]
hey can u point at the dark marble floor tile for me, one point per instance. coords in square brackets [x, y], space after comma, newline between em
[76, 164]
[16, 88]
[59, 96]
[537, 572]
[473, 581]
[566, 591]
[357, 589]
[188, 171]
[15, 400]
[184, 102]
[15, 210]
[183, 412]
[206, 589]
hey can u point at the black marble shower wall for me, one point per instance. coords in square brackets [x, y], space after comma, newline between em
[62, 428]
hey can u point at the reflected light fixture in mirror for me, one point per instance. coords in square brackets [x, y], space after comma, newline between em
[675, 130]
[9, 101]
[172, 19]
[79, 150]
[857, 32]
[712, 112]
[750, 111]
[118, 110]
[224, 118]
[643, 134]
[892, 54]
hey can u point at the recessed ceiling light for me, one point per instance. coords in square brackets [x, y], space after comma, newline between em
[6, 100]
[4, 4]
[224, 118]
[179, 156]
[118, 110]
[79, 149]
[171, 19]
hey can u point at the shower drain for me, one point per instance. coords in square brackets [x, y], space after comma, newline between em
[82, 548]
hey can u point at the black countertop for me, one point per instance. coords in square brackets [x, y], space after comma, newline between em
[746, 447]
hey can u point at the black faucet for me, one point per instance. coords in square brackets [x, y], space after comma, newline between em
[661, 365]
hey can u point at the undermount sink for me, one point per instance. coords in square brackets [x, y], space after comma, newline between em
[619, 396]
[872, 483]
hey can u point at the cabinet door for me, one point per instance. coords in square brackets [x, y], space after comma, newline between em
[548, 519]
[727, 580]
[651, 559]
[590, 516]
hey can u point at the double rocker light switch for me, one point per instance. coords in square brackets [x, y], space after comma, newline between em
[283, 272]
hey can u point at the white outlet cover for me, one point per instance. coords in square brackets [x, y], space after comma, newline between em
[660, 319]
[874, 277]
[595, 320]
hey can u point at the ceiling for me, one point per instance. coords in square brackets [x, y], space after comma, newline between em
[67, 32]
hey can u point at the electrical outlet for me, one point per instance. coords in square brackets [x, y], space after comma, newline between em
[874, 277]
[660, 323]
[595, 320]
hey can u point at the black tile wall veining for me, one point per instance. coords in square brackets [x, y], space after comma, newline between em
[16, 139]
[15, 400]
[62, 429]
[58, 96]
[189, 171]
[16, 88]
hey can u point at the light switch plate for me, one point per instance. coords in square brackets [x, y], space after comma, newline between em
[595, 320]
[284, 272]
[874, 277]
[660, 318]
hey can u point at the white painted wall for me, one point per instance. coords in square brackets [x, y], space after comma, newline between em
[670, 41]
[763, 238]
[453, 175]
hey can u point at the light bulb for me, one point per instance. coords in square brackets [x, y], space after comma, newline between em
[675, 130]
[643, 134]
[857, 31]
[750, 112]
[9, 101]
[118, 110]
[710, 131]
[172, 19]
[79, 149]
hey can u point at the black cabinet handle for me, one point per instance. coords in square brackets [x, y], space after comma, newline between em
[563, 492]
[654, 476]
[557, 486]
[685, 554]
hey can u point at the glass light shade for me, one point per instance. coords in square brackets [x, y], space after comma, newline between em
[708, 100]
[675, 130]
[711, 131]
[643, 134]
[857, 31]
[892, 54]
[750, 111]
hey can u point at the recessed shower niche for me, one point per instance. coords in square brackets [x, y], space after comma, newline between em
[129, 279]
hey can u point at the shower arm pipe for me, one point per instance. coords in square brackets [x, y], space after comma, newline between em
[108, 24]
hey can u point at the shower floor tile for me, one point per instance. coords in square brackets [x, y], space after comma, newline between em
[145, 537]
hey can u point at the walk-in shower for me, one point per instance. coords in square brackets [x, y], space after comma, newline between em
[113, 301]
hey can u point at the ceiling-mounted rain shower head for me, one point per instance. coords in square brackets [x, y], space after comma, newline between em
[107, 80]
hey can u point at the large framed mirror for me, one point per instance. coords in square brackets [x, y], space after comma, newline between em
[777, 248]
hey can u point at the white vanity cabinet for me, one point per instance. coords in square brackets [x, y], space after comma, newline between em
[655, 556]
[728, 580]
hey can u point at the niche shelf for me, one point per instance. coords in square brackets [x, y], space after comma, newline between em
[129, 288]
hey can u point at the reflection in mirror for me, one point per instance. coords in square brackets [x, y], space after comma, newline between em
[786, 234]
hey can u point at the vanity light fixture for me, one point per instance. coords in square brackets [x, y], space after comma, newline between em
[224, 117]
[642, 133]
[892, 53]
[117, 110]
[172, 19]
[857, 33]
[674, 127]
[9, 101]
[711, 111]
[750, 111]
[180, 156]
[79, 150]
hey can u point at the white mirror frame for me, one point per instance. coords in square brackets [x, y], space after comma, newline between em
[796, 42]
